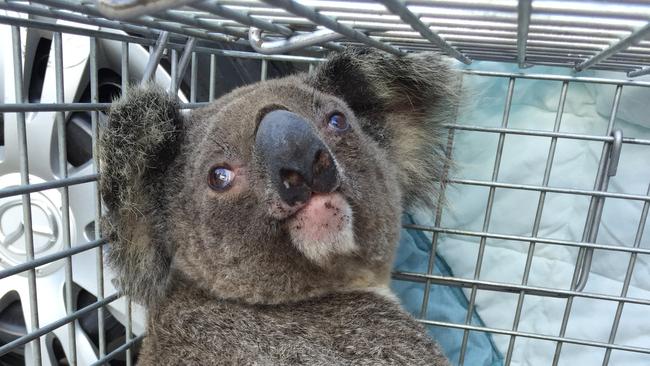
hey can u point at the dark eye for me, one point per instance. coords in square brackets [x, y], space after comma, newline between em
[338, 122]
[220, 178]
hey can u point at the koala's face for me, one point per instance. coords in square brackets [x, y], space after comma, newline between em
[280, 190]
[284, 196]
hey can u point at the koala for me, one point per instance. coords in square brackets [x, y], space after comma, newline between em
[261, 228]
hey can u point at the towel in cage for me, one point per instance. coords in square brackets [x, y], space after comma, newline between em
[534, 106]
[444, 302]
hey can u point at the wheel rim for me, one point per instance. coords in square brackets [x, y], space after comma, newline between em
[42, 147]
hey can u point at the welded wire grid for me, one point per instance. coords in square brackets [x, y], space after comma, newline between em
[576, 34]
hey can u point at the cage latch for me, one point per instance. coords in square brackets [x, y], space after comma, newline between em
[293, 43]
[615, 152]
[606, 169]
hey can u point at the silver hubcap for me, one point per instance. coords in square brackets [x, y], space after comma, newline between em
[46, 226]
[46, 206]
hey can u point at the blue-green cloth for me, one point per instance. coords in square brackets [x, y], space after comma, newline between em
[446, 303]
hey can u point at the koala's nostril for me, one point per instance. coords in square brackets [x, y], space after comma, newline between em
[294, 189]
[324, 172]
[322, 161]
[291, 179]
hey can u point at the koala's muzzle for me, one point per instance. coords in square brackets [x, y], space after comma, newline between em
[295, 158]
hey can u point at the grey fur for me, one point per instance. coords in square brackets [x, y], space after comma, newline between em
[218, 272]
[402, 103]
[359, 328]
[141, 140]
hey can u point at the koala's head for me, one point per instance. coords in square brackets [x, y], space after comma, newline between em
[280, 190]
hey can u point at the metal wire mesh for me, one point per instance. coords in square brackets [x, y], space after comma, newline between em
[574, 34]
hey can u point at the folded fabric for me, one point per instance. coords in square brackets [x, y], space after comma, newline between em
[534, 106]
[447, 304]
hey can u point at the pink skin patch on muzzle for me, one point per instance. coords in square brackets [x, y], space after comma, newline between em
[323, 227]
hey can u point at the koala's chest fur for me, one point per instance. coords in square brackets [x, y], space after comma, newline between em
[360, 328]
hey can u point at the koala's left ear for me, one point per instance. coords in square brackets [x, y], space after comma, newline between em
[401, 102]
[137, 147]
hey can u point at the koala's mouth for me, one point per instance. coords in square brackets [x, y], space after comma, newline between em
[323, 227]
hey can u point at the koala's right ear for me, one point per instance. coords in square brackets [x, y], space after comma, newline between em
[401, 102]
[141, 139]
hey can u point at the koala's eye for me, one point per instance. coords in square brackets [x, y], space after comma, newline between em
[220, 178]
[338, 122]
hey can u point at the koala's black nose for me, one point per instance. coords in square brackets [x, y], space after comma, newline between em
[294, 156]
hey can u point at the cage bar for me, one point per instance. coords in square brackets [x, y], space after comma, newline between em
[588, 232]
[572, 34]
[34, 263]
[65, 209]
[538, 219]
[332, 24]
[398, 7]
[623, 44]
[523, 24]
[94, 98]
[35, 334]
[488, 214]
[26, 200]
[628, 278]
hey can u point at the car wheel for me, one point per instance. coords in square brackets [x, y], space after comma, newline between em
[46, 206]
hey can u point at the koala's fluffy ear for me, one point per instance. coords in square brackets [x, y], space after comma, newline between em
[401, 102]
[141, 139]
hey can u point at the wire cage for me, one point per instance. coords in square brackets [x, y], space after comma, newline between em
[63, 62]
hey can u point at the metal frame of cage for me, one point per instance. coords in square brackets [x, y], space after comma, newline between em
[395, 27]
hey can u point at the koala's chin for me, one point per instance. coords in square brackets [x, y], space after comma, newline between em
[258, 228]
[323, 228]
